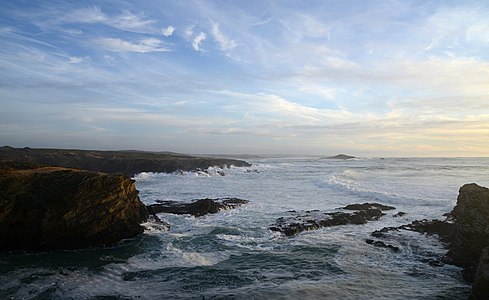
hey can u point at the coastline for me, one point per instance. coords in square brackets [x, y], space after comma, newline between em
[126, 162]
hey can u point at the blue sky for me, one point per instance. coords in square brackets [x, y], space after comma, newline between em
[369, 78]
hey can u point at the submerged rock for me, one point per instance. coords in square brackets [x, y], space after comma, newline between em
[312, 220]
[365, 206]
[382, 245]
[58, 208]
[197, 208]
[399, 214]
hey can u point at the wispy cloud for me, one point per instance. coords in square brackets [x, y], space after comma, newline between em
[141, 46]
[224, 42]
[126, 21]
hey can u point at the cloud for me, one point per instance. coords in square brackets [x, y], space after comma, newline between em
[119, 45]
[189, 32]
[168, 31]
[86, 15]
[198, 40]
[75, 59]
[126, 21]
[224, 42]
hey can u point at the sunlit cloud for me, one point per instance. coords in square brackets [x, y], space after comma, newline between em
[168, 31]
[197, 41]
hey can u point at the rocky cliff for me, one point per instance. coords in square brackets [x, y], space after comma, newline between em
[58, 208]
[466, 233]
[469, 246]
[127, 162]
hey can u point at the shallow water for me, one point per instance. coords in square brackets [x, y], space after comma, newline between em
[233, 254]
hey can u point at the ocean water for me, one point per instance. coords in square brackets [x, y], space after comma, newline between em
[233, 254]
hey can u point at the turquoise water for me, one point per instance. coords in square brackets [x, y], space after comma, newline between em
[233, 254]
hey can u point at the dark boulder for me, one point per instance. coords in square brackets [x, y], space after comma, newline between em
[58, 208]
[196, 208]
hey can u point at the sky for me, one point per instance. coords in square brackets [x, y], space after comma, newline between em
[367, 78]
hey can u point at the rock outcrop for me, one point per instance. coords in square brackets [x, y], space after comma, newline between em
[466, 232]
[196, 208]
[44, 208]
[127, 162]
[313, 220]
[471, 216]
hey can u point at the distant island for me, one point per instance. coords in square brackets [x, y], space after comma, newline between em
[339, 156]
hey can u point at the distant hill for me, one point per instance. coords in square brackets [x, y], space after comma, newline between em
[339, 156]
[128, 162]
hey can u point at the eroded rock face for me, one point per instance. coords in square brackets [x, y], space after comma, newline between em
[480, 288]
[58, 208]
[197, 208]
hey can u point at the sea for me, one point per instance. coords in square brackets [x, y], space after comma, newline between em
[234, 255]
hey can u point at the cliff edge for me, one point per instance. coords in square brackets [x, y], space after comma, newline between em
[44, 208]
[127, 162]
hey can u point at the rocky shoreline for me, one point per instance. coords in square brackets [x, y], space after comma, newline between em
[465, 231]
[46, 208]
[52, 207]
[126, 162]
[466, 234]
[315, 219]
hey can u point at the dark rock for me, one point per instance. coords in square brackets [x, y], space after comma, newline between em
[435, 262]
[480, 288]
[366, 206]
[314, 219]
[400, 214]
[59, 208]
[197, 208]
[127, 162]
[471, 216]
[155, 223]
[382, 245]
